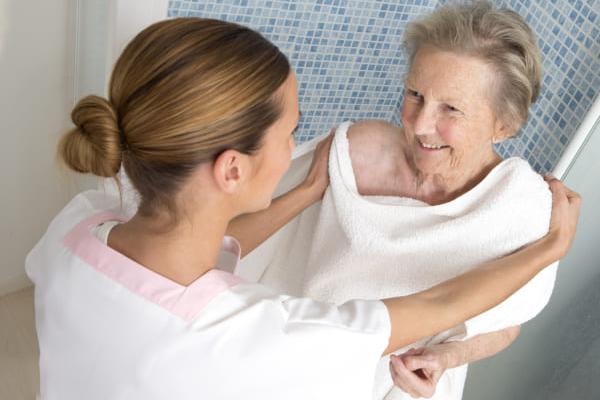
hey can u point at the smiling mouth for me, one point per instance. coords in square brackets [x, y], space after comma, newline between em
[429, 146]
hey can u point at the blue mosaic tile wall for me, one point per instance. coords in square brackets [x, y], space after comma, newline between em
[349, 61]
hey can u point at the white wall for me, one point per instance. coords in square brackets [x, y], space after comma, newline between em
[35, 95]
[52, 53]
[556, 355]
[91, 37]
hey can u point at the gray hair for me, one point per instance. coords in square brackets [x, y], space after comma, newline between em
[500, 38]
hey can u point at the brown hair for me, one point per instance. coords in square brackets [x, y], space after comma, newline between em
[183, 91]
[499, 37]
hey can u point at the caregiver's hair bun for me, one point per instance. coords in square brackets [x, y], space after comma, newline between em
[94, 145]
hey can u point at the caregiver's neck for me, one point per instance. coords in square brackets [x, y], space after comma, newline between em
[184, 246]
[439, 188]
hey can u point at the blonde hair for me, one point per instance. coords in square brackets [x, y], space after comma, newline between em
[183, 91]
[500, 38]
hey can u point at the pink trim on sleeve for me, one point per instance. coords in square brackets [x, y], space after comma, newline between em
[183, 301]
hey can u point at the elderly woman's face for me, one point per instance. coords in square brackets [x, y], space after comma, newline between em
[447, 114]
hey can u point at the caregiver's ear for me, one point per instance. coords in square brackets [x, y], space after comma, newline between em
[231, 170]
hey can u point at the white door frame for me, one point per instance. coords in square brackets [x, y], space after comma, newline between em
[120, 21]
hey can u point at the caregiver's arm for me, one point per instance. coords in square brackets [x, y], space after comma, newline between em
[253, 229]
[449, 303]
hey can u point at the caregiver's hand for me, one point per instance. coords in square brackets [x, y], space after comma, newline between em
[418, 371]
[565, 214]
[317, 178]
[254, 228]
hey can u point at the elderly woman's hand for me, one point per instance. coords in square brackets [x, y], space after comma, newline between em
[565, 214]
[317, 178]
[418, 371]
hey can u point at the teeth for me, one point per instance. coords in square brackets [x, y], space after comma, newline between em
[431, 146]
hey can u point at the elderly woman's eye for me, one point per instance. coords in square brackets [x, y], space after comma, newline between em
[451, 108]
[414, 93]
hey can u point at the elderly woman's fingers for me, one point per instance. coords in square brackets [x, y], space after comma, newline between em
[399, 381]
[413, 351]
[413, 383]
[415, 362]
[403, 378]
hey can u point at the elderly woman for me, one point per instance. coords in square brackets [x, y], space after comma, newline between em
[430, 193]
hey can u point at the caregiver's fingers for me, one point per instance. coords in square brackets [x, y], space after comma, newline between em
[317, 178]
[325, 144]
[410, 381]
[565, 215]
[560, 188]
[322, 149]
[560, 193]
[572, 195]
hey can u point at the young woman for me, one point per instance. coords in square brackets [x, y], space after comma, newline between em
[201, 115]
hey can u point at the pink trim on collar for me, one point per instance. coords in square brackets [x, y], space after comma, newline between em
[183, 301]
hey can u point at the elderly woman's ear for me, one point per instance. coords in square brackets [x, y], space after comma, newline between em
[502, 131]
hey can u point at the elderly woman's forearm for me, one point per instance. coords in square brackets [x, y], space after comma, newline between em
[481, 346]
[449, 303]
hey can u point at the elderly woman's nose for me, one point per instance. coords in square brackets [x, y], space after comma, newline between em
[425, 121]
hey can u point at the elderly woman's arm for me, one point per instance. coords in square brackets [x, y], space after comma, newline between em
[479, 347]
[417, 371]
[253, 229]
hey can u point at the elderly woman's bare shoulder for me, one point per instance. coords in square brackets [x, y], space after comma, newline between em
[373, 129]
[377, 154]
[374, 138]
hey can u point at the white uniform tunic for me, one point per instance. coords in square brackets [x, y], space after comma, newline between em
[109, 328]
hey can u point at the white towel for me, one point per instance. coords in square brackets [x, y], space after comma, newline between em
[352, 246]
